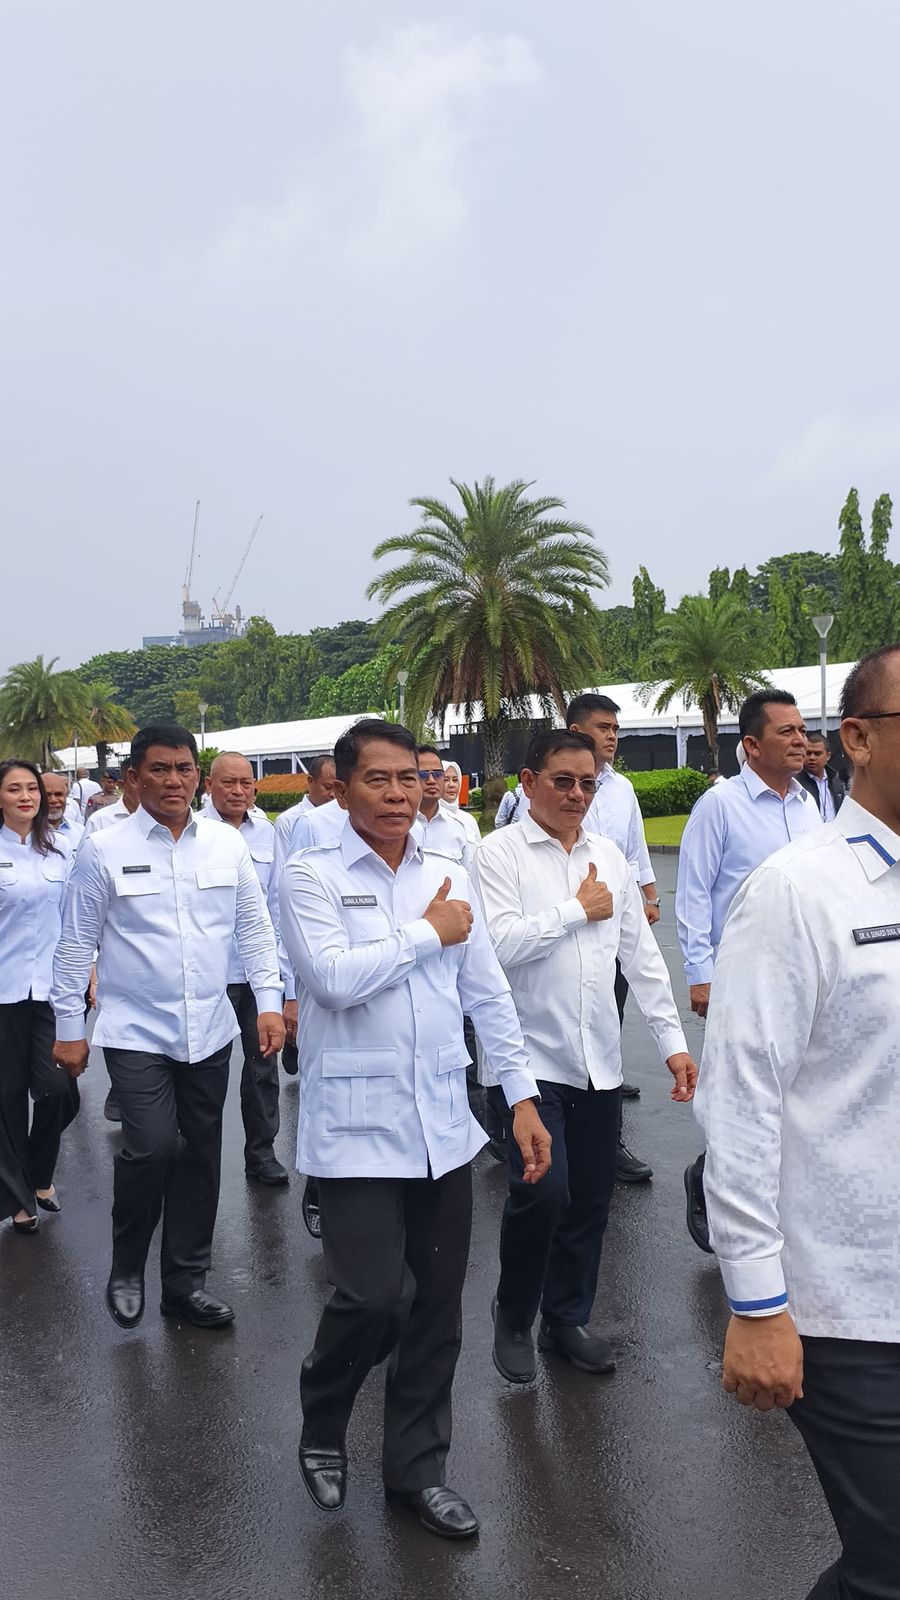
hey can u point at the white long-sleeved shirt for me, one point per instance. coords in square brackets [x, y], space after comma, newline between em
[164, 913]
[72, 830]
[302, 826]
[514, 805]
[31, 887]
[799, 1094]
[382, 1057]
[615, 814]
[105, 818]
[444, 833]
[258, 835]
[466, 821]
[560, 966]
[732, 828]
[82, 791]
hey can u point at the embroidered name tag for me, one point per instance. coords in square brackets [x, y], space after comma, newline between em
[5, 863]
[137, 869]
[358, 900]
[879, 935]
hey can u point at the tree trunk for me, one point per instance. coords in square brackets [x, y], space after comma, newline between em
[493, 739]
[711, 729]
[102, 756]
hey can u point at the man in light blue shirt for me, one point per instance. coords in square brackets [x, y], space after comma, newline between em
[733, 828]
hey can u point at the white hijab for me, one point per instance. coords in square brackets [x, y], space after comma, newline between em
[469, 822]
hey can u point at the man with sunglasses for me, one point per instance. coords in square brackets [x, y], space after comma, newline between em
[441, 831]
[561, 906]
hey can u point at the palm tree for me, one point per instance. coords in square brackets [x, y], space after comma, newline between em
[710, 652]
[106, 720]
[494, 606]
[39, 708]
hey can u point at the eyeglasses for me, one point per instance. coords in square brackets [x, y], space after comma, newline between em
[875, 716]
[425, 773]
[564, 785]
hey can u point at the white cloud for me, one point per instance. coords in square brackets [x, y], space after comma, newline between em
[839, 444]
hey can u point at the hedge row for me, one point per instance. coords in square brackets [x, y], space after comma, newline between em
[670, 791]
[277, 799]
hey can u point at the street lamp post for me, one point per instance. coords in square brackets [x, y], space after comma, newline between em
[402, 679]
[822, 626]
[203, 707]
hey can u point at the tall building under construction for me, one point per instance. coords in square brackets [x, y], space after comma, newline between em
[224, 624]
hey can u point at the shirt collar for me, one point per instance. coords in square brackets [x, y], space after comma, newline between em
[146, 823]
[533, 833]
[606, 774]
[874, 845]
[354, 848]
[755, 785]
[11, 837]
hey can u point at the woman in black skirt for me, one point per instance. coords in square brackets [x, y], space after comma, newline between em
[34, 866]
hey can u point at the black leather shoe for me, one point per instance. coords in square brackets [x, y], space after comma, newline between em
[270, 1172]
[30, 1225]
[200, 1308]
[513, 1349]
[125, 1298]
[631, 1091]
[586, 1350]
[50, 1203]
[325, 1474]
[440, 1510]
[697, 1221]
[309, 1208]
[290, 1060]
[629, 1168]
[110, 1108]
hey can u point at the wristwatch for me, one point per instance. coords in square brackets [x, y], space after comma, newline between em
[651, 902]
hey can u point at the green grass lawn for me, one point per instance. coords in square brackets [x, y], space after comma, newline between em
[664, 830]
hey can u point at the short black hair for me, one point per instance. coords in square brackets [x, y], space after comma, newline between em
[865, 683]
[314, 767]
[429, 750]
[813, 736]
[752, 716]
[584, 704]
[168, 734]
[550, 741]
[347, 750]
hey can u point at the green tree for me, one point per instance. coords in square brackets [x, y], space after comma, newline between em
[350, 644]
[649, 609]
[740, 586]
[719, 583]
[802, 604]
[711, 653]
[615, 639]
[853, 622]
[360, 688]
[883, 575]
[779, 621]
[495, 605]
[106, 721]
[820, 573]
[187, 711]
[39, 709]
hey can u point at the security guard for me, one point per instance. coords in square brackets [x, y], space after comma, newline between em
[163, 894]
[388, 950]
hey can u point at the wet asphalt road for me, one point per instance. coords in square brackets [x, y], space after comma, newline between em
[162, 1463]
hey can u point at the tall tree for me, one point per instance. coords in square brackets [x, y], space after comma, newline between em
[820, 573]
[740, 585]
[39, 710]
[853, 622]
[803, 644]
[719, 583]
[649, 610]
[106, 720]
[778, 622]
[883, 586]
[491, 603]
[711, 653]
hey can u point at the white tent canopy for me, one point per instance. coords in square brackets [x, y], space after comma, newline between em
[276, 741]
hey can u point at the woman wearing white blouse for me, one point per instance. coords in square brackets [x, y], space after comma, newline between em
[450, 802]
[34, 865]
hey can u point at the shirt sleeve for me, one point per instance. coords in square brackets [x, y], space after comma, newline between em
[645, 872]
[255, 937]
[648, 976]
[502, 817]
[762, 1008]
[516, 936]
[337, 974]
[699, 861]
[287, 975]
[486, 998]
[85, 906]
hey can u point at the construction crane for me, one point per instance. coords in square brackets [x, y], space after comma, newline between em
[220, 613]
[188, 577]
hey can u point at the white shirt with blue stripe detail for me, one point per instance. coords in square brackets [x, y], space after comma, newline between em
[799, 1091]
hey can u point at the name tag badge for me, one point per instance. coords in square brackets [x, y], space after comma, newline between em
[358, 900]
[5, 864]
[137, 869]
[883, 934]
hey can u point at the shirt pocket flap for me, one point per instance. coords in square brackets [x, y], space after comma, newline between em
[263, 853]
[54, 869]
[138, 883]
[452, 1057]
[365, 1063]
[217, 877]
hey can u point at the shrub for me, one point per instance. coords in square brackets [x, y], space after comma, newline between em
[671, 791]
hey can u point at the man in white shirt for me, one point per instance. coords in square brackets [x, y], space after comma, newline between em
[83, 789]
[615, 814]
[800, 1103]
[562, 906]
[388, 951]
[163, 894]
[232, 789]
[56, 788]
[125, 806]
[513, 806]
[819, 777]
[441, 830]
[733, 827]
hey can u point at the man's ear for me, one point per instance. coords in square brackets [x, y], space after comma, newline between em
[855, 739]
[340, 794]
[528, 781]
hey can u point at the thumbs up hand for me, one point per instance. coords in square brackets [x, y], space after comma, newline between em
[595, 897]
[451, 919]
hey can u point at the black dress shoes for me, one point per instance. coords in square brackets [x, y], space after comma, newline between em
[587, 1351]
[110, 1108]
[49, 1203]
[325, 1474]
[631, 1091]
[513, 1349]
[125, 1298]
[697, 1222]
[270, 1172]
[440, 1510]
[290, 1060]
[309, 1208]
[630, 1168]
[200, 1308]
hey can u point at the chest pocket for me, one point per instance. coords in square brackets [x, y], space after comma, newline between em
[451, 1094]
[8, 876]
[365, 924]
[360, 1090]
[137, 883]
[54, 869]
[217, 877]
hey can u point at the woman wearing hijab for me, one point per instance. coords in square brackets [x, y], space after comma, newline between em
[450, 802]
[35, 862]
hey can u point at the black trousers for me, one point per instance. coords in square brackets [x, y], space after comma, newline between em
[551, 1235]
[169, 1161]
[396, 1250]
[849, 1418]
[259, 1081]
[28, 1156]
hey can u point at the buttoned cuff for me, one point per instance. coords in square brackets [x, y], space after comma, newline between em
[573, 914]
[70, 1029]
[518, 1086]
[268, 999]
[426, 940]
[755, 1288]
[700, 971]
[290, 987]
[672, 1043]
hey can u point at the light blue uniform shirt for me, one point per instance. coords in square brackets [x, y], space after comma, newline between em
[733, 827]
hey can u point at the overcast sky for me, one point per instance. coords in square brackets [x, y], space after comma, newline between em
[311, 260]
